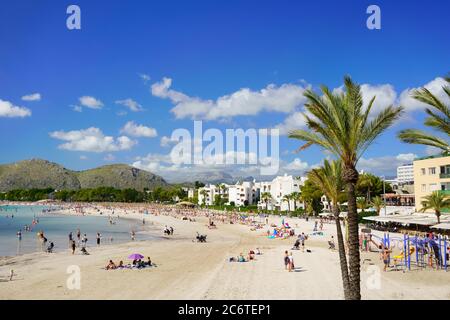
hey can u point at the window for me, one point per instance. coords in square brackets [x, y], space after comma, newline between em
[423, 171]
[424, 188]
[433, 187]
[432, 170]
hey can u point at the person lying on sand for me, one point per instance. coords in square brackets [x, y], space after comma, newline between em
[111, 265]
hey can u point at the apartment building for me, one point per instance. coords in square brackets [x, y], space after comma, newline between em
[405, 174]
[278, 188]
[431, 174]
[207, 194]
[242, 194]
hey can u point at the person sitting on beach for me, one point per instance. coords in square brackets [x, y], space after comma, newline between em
[241, 258]
[50, 247]
[111, 265]
[120, 266]
[331, 244]
[149, 262]
[84, 251]
[258, 252]
[251, 255]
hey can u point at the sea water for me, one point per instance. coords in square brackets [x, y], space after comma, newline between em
[56, 229]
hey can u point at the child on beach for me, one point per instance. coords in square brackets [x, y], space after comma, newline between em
[286, 260]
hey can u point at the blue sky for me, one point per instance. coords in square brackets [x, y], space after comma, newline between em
[211, 51]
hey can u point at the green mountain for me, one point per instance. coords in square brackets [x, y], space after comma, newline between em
[38, 173]
[119, 176]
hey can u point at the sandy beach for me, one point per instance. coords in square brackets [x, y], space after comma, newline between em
[191, 270]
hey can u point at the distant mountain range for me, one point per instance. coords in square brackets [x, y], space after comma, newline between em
[38, 173]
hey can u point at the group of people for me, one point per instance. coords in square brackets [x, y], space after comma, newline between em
[168, 231]
[136, 264]
[250, 256]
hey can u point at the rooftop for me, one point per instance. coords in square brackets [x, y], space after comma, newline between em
[433, 157]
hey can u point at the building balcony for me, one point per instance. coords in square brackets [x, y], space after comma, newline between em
[445, 192]
[444, 176]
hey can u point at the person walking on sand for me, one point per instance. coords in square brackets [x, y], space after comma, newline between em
[133, 235]
[286, 260]
[11, 274]
[98, 238]
[73, 245]
[291, 262]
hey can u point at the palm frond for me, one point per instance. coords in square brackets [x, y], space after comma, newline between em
[414, 136]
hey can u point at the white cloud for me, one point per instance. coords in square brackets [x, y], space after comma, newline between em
[109, 157]
[144, 77]
[293, 121]
[385, 96]
[32, 97]
[385, 165]
[137, 130]
[77, 108]
[90, 102]
[296, 165]
[167, 141]
[91, 140]
[130, 104]
[432, 151]
[244, 102]
[8, 110]
[435, 86]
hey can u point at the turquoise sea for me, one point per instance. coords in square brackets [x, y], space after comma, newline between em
[57, 228]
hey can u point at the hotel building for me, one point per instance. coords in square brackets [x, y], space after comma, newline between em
[431, 174]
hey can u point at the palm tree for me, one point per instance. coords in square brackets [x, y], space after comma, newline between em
[362, 204]
[287, 198]
[329, 179]
[366, 181]
[436, 201]
[339, 123]
[204, 193]
[438, 119]
[377, 203]
[266, 197]
[296, 196]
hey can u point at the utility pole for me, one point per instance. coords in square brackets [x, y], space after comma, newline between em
[384, 195]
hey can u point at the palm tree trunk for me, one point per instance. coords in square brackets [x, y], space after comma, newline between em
[342, 256]
[438, 215]
[350, 177]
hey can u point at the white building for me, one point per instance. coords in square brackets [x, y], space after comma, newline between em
[405, 174]
[207, 194]
[279, 188]
[242, 194]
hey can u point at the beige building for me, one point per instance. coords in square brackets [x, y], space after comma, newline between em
[431, 174]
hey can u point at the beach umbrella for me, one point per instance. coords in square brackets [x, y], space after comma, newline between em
[135, 256]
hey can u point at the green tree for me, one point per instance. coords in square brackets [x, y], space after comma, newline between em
[287, 198]
[378, 204]
[311, 195]
[203, 193]
[436, 201]
[438, 119]
[362, 204]
[266, 197]
[340, 123]
[329, 179]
